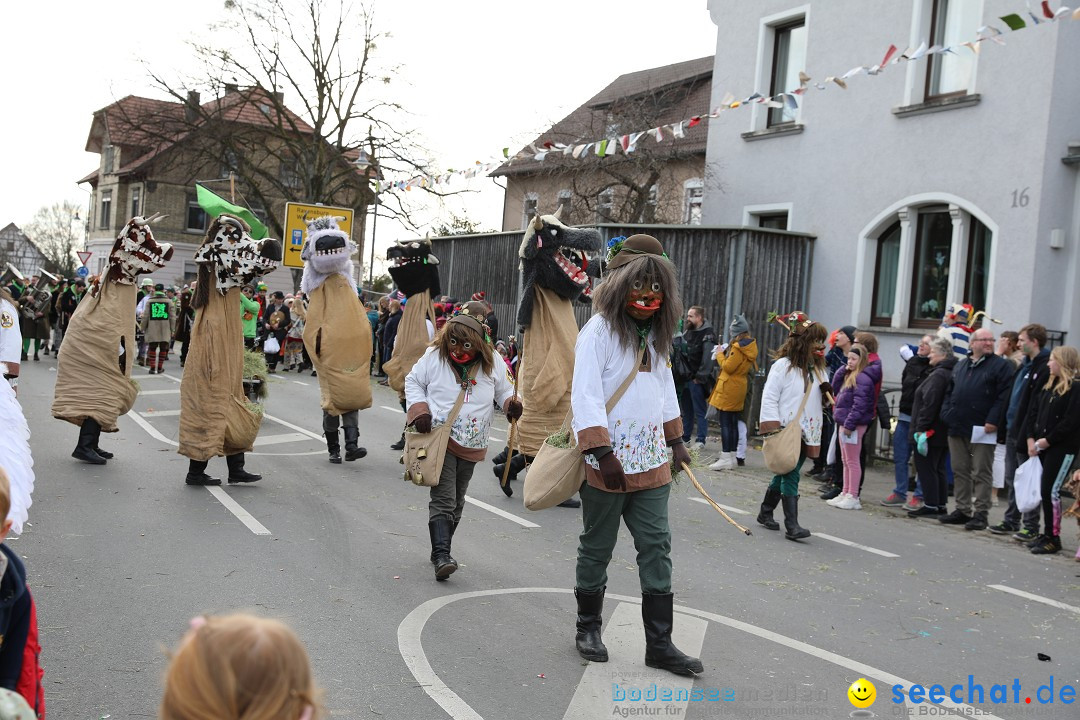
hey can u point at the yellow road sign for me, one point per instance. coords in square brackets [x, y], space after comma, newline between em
[296, 215]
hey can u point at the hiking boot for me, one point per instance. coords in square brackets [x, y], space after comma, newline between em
[977, 522]
[956, 517]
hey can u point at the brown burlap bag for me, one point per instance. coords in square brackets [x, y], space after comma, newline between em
[547, 369]
[214, 416]
[412, 339]
[93, 380]
[337, 335]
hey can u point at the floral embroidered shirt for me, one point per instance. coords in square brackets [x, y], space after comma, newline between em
[433, 386]
[640, 424]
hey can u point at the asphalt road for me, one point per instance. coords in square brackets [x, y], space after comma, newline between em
[120, 557]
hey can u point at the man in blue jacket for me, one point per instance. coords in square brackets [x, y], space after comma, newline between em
[974, 408]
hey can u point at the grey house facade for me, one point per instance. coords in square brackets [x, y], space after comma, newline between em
[953, 178]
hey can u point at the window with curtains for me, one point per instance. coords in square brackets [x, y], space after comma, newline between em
[926, 278]
[951, 23]
[789, 57]
[886, 274]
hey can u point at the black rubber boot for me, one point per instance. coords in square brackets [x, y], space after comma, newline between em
[333, 447]
[791, 518]
[88, 436]
[97, 437]
[765, 515]
[660, 652]
[517, 464]
[352, 450]
[196, 474]
[590, 608]
[440, 529]
[237, 473]
[501, 457]
[400, 444]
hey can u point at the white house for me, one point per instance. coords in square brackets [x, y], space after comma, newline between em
[951, 178]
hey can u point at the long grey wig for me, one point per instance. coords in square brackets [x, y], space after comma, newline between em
[610, 301]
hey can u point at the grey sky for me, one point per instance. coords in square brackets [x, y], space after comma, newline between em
[477, 75]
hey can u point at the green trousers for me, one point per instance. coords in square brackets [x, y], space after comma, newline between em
[448, 497]
[645, 513]
[789, 484]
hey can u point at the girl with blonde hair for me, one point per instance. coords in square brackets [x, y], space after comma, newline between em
[1052, 429]
[239, 666]
[854, 411]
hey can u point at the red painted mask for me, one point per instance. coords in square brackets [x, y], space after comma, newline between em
[644, 300]
[462, 353]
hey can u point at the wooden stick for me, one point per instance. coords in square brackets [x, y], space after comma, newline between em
[690, 474]
[512, 435]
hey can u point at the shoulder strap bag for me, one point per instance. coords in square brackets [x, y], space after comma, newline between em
[558, 471]
[781, 449]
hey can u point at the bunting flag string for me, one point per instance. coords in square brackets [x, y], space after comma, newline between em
[627, 144]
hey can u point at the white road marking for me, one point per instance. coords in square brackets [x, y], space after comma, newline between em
[171, 391]
[277, 439]
[842, 541]
[391, 409]
[300, 382]
[160, 413]
[730, 509]
[1036, 598]
[241, 514]
[501, 513]
[297, 428]
[626, 645]
[498, 430]
[171, 377]
[150, 429]
[412, 650]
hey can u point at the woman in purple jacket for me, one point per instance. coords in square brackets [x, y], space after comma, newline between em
[854, 411]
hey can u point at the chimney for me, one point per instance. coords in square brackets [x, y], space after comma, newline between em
[280, 97]
[191, 110]
[231, 87]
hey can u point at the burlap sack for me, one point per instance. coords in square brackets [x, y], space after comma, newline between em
[547, 369]
[214, 417]
[412, 339]
[92, 379]
[337, 335]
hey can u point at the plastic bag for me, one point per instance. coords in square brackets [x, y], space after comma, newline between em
[271, 346]
[999, 465]
[1027, 484]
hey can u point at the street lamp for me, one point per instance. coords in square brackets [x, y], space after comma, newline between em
[367, 163]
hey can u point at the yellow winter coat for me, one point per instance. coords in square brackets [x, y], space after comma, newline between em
[730, 391]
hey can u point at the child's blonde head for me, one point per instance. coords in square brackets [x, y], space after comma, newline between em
[238, 667]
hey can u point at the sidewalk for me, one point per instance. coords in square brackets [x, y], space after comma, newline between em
[878, 484]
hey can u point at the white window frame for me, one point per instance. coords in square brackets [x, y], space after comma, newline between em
[526, 217]
[751, 213]
[915, 73]
[105, 217]
[688, 185]
[759, 114]
[907, 212]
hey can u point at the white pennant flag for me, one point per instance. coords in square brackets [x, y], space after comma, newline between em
[677, 129]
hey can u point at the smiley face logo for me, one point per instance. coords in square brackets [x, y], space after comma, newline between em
[862, 693]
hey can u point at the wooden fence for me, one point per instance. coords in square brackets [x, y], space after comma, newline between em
[725, 270]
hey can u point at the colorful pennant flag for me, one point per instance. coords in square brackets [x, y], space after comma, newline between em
[214, 205]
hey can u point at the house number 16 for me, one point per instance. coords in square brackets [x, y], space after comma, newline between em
[1020, 198]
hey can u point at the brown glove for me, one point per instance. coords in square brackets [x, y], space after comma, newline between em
[611, 471]
[513, 409]
[422, 423]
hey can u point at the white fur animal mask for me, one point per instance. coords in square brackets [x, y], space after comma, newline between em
[327, 250]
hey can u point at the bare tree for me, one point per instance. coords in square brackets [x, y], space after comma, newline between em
[319, 54]
[55, 229]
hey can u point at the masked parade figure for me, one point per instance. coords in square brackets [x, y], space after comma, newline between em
[554, 268]
[93, 378]
[215, 418]
[461, 362]
[337, 334]
[628, 471]
[416, 273]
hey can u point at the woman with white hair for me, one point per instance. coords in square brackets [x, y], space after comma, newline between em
[929, 433]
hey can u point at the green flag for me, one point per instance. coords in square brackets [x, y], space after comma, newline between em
[1014, 21]
[214, 205]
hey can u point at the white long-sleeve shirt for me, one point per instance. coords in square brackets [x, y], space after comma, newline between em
[783, 393]
[635, 428]
[10, 335]
[433, 387]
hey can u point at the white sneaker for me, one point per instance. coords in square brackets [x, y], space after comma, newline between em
[850, 503]
[726, 461]
[699, 446]
[838, 499]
